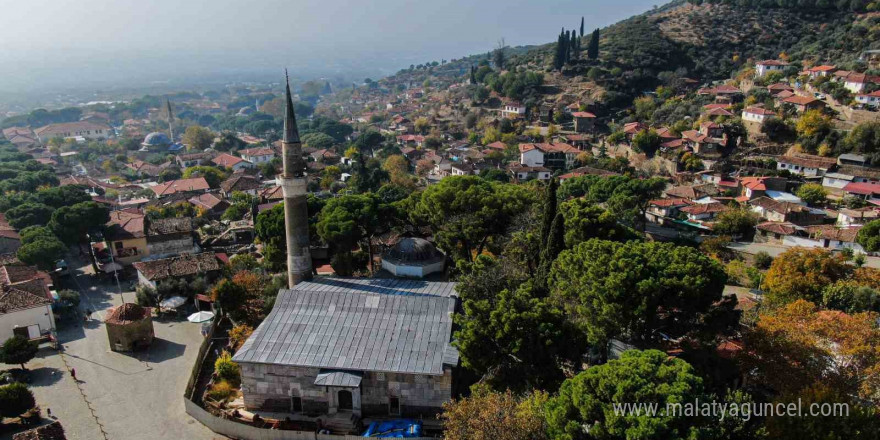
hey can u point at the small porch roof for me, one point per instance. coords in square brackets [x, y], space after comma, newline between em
[337, 378]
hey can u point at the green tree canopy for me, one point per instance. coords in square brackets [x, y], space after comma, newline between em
[634, 290]
[42, 252]
[15, 399]
[73, 222]
[585, 221]
[29, 214]
[467, 212]
[812, 193]
[212, 175]
[735, 222]
[197, 137]
[869, 236]
[18, 350]
[651, 376]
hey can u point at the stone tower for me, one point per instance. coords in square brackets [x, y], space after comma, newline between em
[293, 185]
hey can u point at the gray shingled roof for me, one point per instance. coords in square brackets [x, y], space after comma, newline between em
[384, 325]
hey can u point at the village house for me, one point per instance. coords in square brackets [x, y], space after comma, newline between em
[806, 165]
[764, 67]
[816, 236]
[774, 211]
[523, 173]
[325, 156]
[869, 192]
[660, 211]
[240, 183]
[819, 71]
[170, 236]
[257, 156]
[855, 82]
[850, 217]
[631, 129]
[145, 169]
[803, 103]
[82, 129]
[699, 212]
[583, 121]
[462, 169]
[185, 161]
[234, 163]
[778, 88]
[413, 140]
[212, 205]
[754, 187]
[756, 114]
[125, 236]
[555, 156]
[513, 110]
[195, 184]
[318, 370]
[9, 238]
[693, 192]
[857, 160]
[186, 266]
[25, 302]
[869, 99]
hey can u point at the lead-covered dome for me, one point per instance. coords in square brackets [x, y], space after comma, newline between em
[413, 257]
[156, 139]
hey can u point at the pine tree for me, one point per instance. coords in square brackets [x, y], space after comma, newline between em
[582, 27]
[593, 47]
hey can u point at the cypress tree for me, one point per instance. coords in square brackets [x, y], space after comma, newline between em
[473, 75]
[574, 45]
[593, 47]
[582, 27]
[567, 38]
[559, 58]
[555, 245]
[549, 211]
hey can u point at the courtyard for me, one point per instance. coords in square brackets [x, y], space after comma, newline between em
[131, 396]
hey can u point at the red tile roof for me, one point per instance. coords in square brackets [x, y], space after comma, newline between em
[862, 188]
[227, 160]
[126, 314]
[583, 115]
[175, 186]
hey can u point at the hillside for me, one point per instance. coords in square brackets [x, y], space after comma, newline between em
[708, 42]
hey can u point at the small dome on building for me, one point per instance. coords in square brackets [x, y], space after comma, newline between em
[156, 139]
[413, 257]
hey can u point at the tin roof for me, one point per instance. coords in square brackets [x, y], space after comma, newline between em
[387, 325]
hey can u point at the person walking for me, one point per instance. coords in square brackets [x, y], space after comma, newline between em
[73, 373]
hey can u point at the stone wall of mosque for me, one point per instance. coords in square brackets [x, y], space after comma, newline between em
[278, 388]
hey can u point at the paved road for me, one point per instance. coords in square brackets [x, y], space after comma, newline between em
[774, 250]
[134, 397]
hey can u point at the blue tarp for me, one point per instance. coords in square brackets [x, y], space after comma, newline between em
[401, 428]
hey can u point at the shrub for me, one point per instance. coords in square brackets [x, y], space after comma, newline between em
[763, 260]
[226, 369]
[239, 334]
[221, 391]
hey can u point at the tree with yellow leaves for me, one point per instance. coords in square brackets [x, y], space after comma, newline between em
[801, 273]
[489, 415]
[799, 345]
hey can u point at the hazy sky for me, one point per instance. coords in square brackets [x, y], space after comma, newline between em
[65, 42]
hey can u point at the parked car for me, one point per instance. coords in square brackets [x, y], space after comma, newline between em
[819, 95]
[400, 428]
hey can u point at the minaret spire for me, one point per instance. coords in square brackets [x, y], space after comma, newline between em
[170, 119]
[293, 185]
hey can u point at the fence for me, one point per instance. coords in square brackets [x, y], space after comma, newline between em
[197, 367]
[241, 431]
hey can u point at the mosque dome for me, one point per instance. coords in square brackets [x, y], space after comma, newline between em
[413, 257]
[156, 139]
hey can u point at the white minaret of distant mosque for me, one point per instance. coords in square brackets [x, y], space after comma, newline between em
[293, 185]
[170, 120]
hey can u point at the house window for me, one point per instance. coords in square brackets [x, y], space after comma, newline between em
[296, 404]
[118, 245]
[394, 406]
